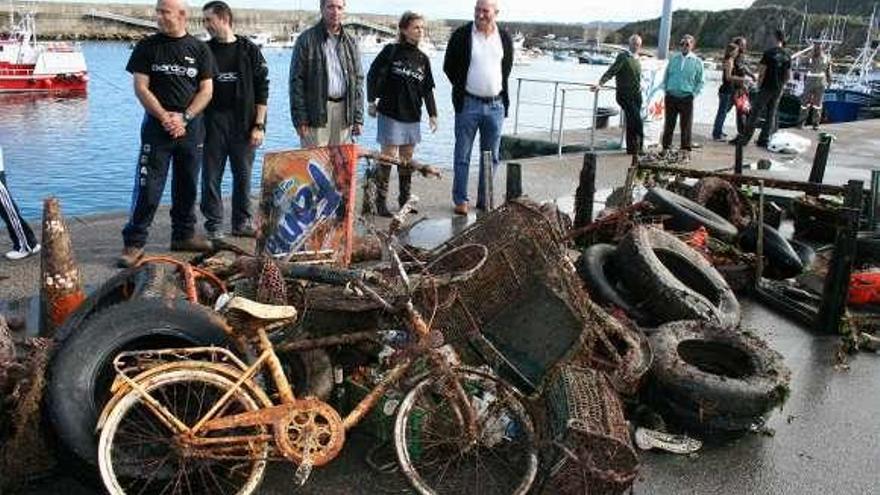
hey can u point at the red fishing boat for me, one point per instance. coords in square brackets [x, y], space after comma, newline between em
[27, 65]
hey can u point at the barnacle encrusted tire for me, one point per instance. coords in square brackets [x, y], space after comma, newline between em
[597, 269]
[722, 376]
[724, 199]
[676, 282]
[782, 260]
[688, 215]
[81, 371]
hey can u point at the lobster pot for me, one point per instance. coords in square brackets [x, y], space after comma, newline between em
[591, 448]
[524, 310]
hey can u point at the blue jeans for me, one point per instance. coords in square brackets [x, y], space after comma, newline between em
[725, 103]
[487, 117]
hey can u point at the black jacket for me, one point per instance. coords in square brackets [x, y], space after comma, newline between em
[458, 60]
[308, 78]
[253, 84]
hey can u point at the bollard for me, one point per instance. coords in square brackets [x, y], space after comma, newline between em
[583, 196]
[61, 289]
[875, 200]
[820, 160]
[738, 158]
[488, 178]
[759, 263]
[514, 181]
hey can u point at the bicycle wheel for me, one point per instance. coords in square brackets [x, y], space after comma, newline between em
[137, 453]
[436, 454]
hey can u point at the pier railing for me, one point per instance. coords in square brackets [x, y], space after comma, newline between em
[562, 105]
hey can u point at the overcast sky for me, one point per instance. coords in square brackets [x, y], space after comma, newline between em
[513, 10]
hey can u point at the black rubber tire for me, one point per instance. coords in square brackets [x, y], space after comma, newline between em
[676, 282]
[721, 197]
[116, 289]
[868, 247]
[694, 418]
[805, 252]
[782, 260]
[688, 215]
[82, 367]
[717, 370]
[597, 269]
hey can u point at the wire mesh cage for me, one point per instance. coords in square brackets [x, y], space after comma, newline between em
[591, 447]
[524, 311]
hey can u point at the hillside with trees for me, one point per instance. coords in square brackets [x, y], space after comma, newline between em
[757, 23]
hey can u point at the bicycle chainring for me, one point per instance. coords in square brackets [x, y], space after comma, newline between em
[310, 431]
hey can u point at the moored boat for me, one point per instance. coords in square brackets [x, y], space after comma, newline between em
[27, 65]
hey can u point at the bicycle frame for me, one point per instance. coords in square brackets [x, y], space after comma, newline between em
[274, 414]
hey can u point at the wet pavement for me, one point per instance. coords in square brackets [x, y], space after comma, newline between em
[825, 440]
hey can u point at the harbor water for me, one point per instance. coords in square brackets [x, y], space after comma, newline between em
[83, 149]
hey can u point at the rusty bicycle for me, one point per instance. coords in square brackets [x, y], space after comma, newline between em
[202, 420]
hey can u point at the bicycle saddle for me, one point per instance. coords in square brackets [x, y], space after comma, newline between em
[266, 312]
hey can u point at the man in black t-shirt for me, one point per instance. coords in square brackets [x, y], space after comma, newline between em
[774, 72]
[235, 121]
[173, 80]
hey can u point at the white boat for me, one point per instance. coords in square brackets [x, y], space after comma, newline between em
[372, 44]
[261, 39]
[290, 42]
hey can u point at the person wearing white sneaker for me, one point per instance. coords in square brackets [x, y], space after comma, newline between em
[23, 241]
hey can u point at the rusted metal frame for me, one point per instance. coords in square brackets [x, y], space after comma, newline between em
[188, 272]
[276, 370]
[230, 441]
[806, 187]
[457, 397]
[369, 401]
[344, 339]
[422, 168]
[165, 416]
[247, 375]
[266, 416]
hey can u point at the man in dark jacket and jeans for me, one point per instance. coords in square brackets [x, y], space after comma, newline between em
[627, 73]
[478, 60]
[326, 81]
[235, 121]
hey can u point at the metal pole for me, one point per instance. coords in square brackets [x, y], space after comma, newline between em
[875, 201]
[665, 30]
[759, 268]
[516, 118]
[561, 124]
[487, 179]
[593, 128]
[553, 113]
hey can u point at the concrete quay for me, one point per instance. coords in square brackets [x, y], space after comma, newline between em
[826, 440]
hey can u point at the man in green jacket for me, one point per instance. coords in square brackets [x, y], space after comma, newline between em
[683, 82]
[627, 74]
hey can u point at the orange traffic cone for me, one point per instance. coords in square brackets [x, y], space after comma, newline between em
[61, 283]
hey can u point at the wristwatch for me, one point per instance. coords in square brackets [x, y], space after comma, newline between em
[260, 126]
[187, 117]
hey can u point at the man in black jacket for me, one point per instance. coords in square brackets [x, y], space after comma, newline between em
[326, 81]
[235, 121]
[478, 60]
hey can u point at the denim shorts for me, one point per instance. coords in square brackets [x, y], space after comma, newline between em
[396, 133]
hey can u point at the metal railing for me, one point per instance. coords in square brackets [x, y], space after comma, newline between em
[561, 90]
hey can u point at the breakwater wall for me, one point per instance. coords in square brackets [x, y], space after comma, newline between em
[58, 20]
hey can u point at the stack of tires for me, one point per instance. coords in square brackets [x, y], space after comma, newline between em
[707, 374]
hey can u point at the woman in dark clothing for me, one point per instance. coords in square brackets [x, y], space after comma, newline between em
[726, 91]
[398, 82]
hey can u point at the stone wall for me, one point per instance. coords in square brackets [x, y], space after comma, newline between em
[71, 21]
